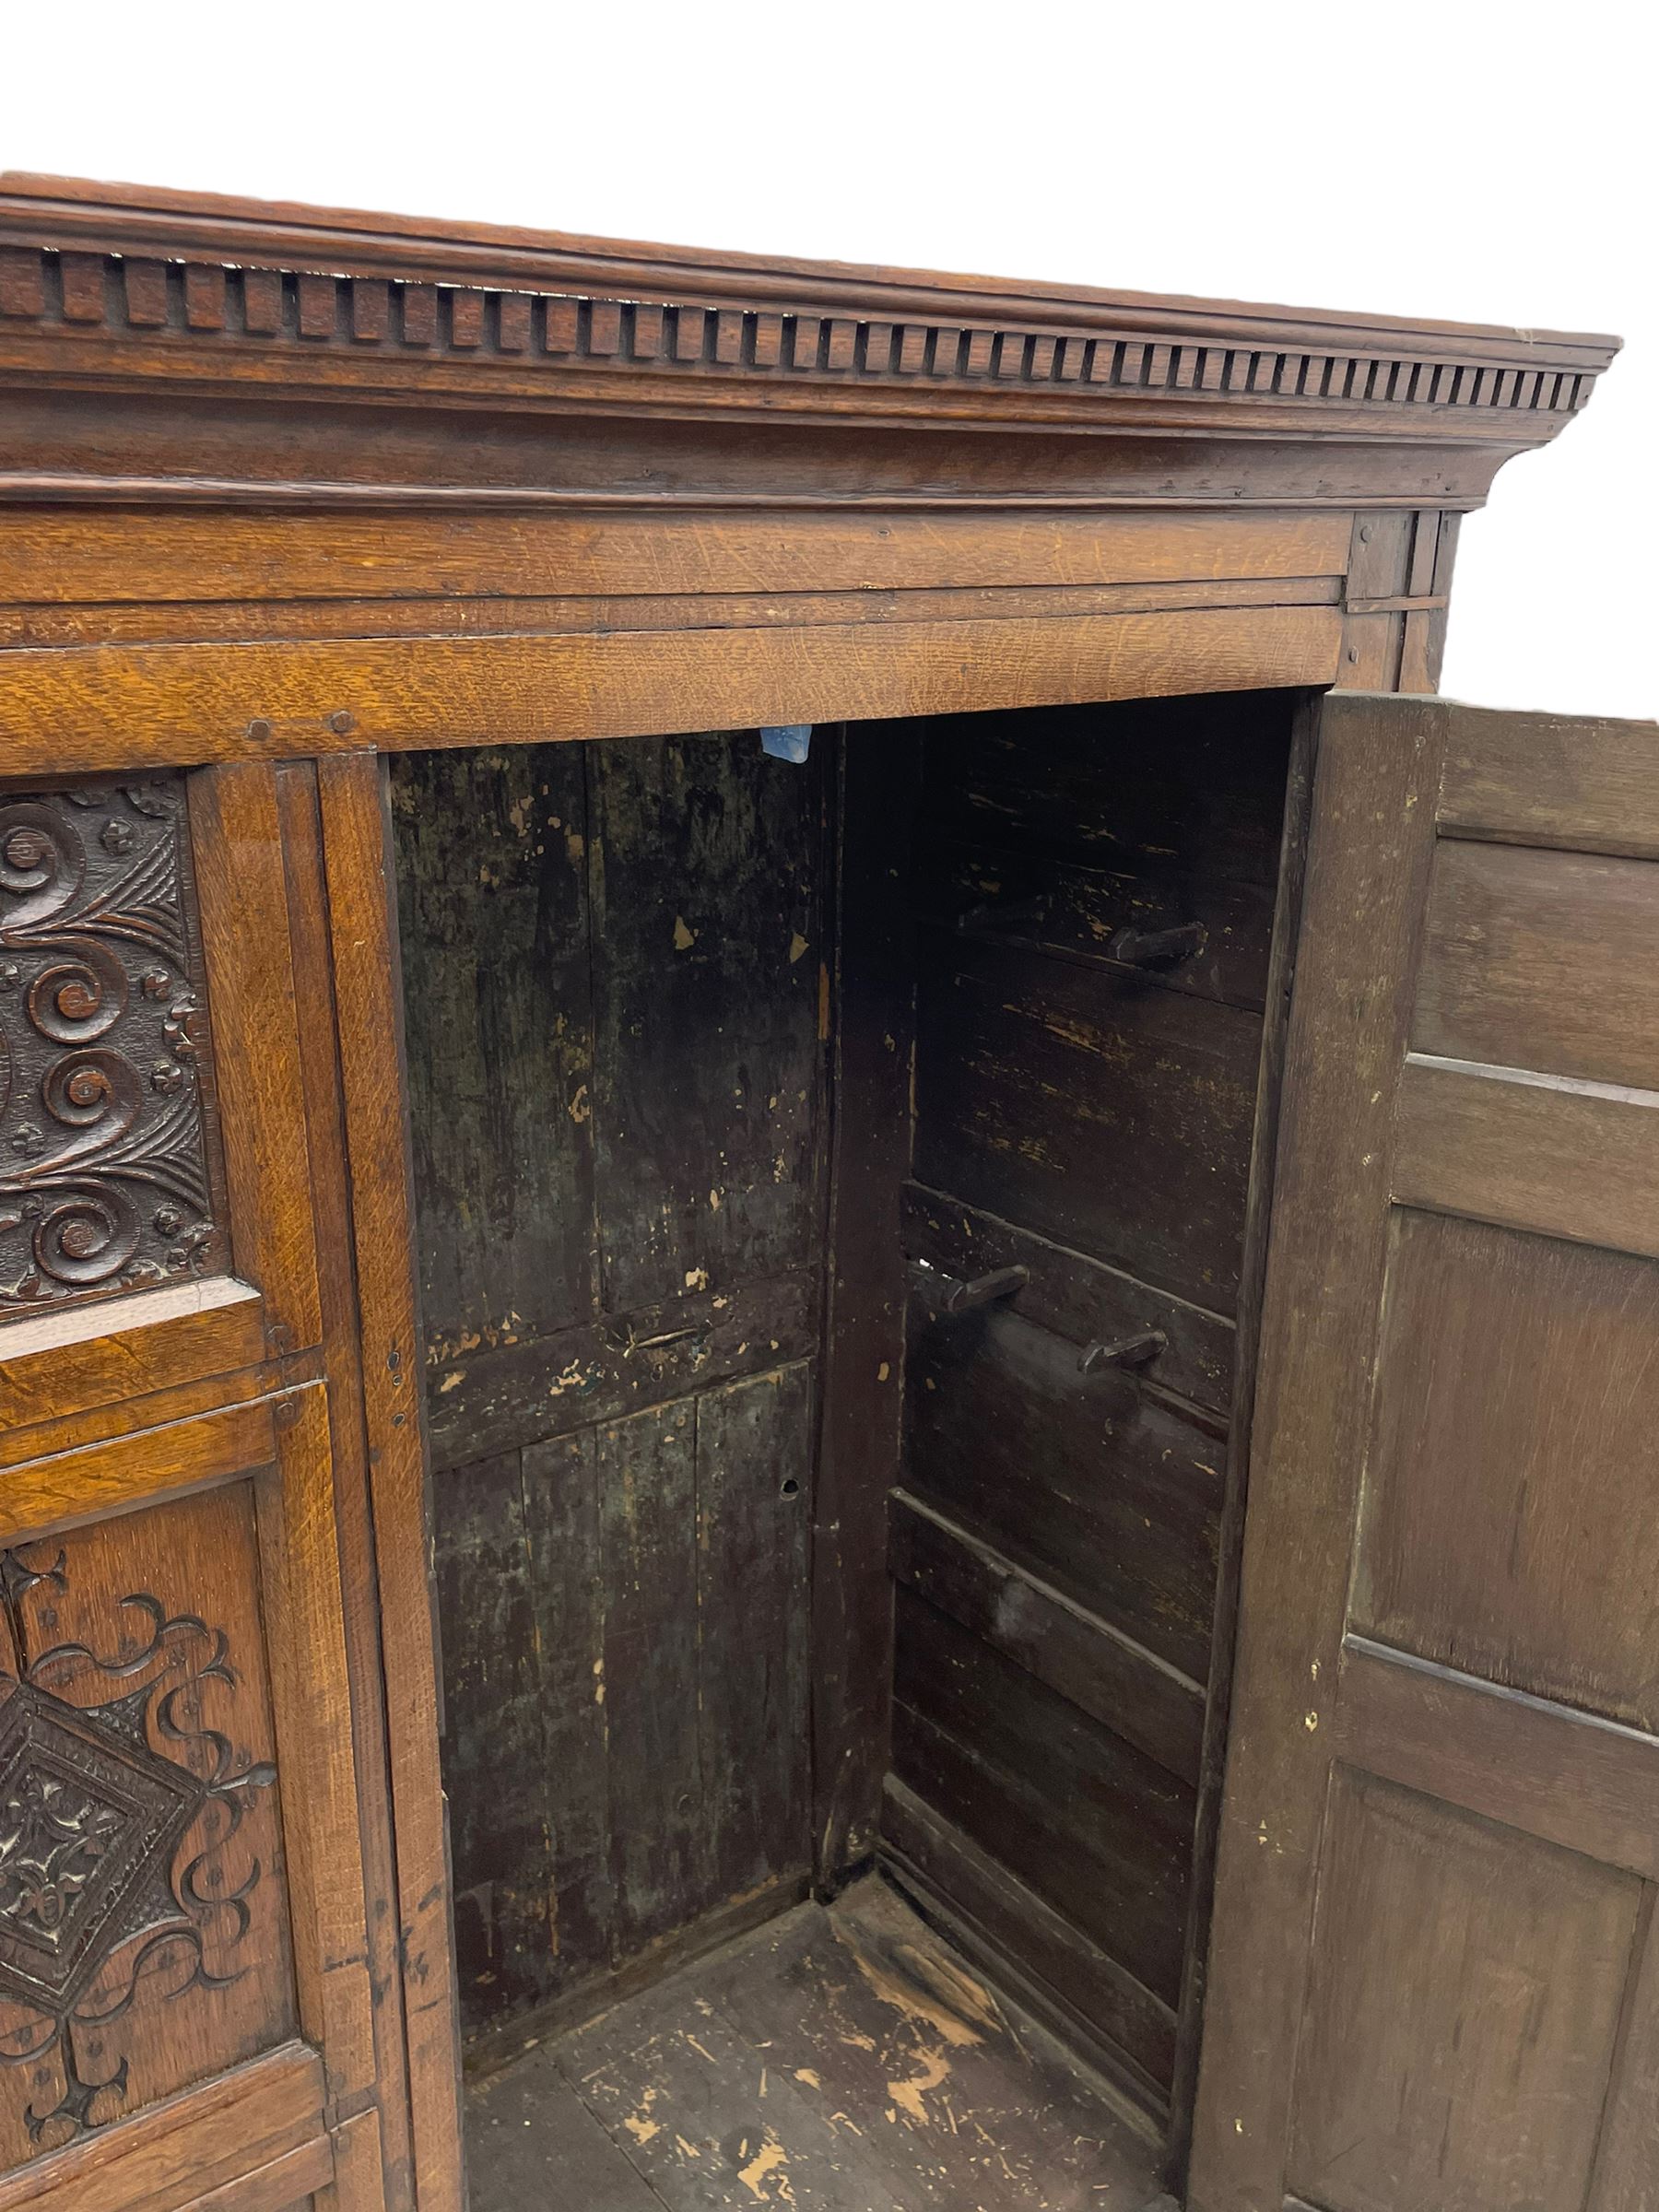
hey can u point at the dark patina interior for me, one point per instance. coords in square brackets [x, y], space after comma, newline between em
[929, 1067]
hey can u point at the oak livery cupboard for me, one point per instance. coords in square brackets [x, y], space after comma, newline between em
[779, 1268]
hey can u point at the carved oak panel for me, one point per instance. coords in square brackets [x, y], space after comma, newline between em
[105, 1087]
[142, 1907]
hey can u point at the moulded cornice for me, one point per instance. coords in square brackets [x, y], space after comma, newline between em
[115, 285]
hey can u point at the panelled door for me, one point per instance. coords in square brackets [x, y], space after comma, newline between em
[1434, 1980]
[198, 1988]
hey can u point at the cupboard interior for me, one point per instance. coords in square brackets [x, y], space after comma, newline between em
[736, 1087]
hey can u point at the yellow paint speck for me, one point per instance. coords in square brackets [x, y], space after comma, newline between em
[639, 2124]
[770, 2159]
[684, 938]
[910, 2094]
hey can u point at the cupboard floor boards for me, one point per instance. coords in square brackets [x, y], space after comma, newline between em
[837, 2060]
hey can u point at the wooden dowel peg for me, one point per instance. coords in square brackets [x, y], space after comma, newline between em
[1156, 948]
[1121, 1351]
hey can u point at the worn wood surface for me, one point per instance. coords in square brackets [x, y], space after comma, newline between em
[871, 1008]
[836, 2058]
[353, 804]
[1437, 1867]
[1542, 1937]
[1006, 1437]
[1087, 1118]
[491, 489]
[994, 1749]
[1031, 1071]
[1072, 1296]
[51, 559]
[377, 2162]
[613, 992]
[189, 2145]
[1258, 1223]
[1041, 1957]
[157, 705]
[1366, 876]
[1096, 1667]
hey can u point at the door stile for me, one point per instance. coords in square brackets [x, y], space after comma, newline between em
[1270, 1089]
[302, 1593]
[355, 823]
[381, 2141]
[1370, 846]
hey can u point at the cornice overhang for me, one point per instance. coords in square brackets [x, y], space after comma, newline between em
[118, 287]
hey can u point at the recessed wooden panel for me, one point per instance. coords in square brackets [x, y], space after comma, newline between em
[258, 1045]
[1462, 2013]
[1510, 1519]
[1542, 959]
[143, 1911]
[1552, 780]
[1568, 1157]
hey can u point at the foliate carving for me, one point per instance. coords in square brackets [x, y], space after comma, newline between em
[104, 1177]
[367, 321]
[115, 1808]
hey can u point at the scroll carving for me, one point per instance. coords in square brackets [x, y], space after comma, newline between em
[116, 1805]
[104, 1158]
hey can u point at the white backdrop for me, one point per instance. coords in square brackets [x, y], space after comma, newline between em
[1444, 160]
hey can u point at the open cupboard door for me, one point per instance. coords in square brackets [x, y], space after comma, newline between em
[1433, 1980]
